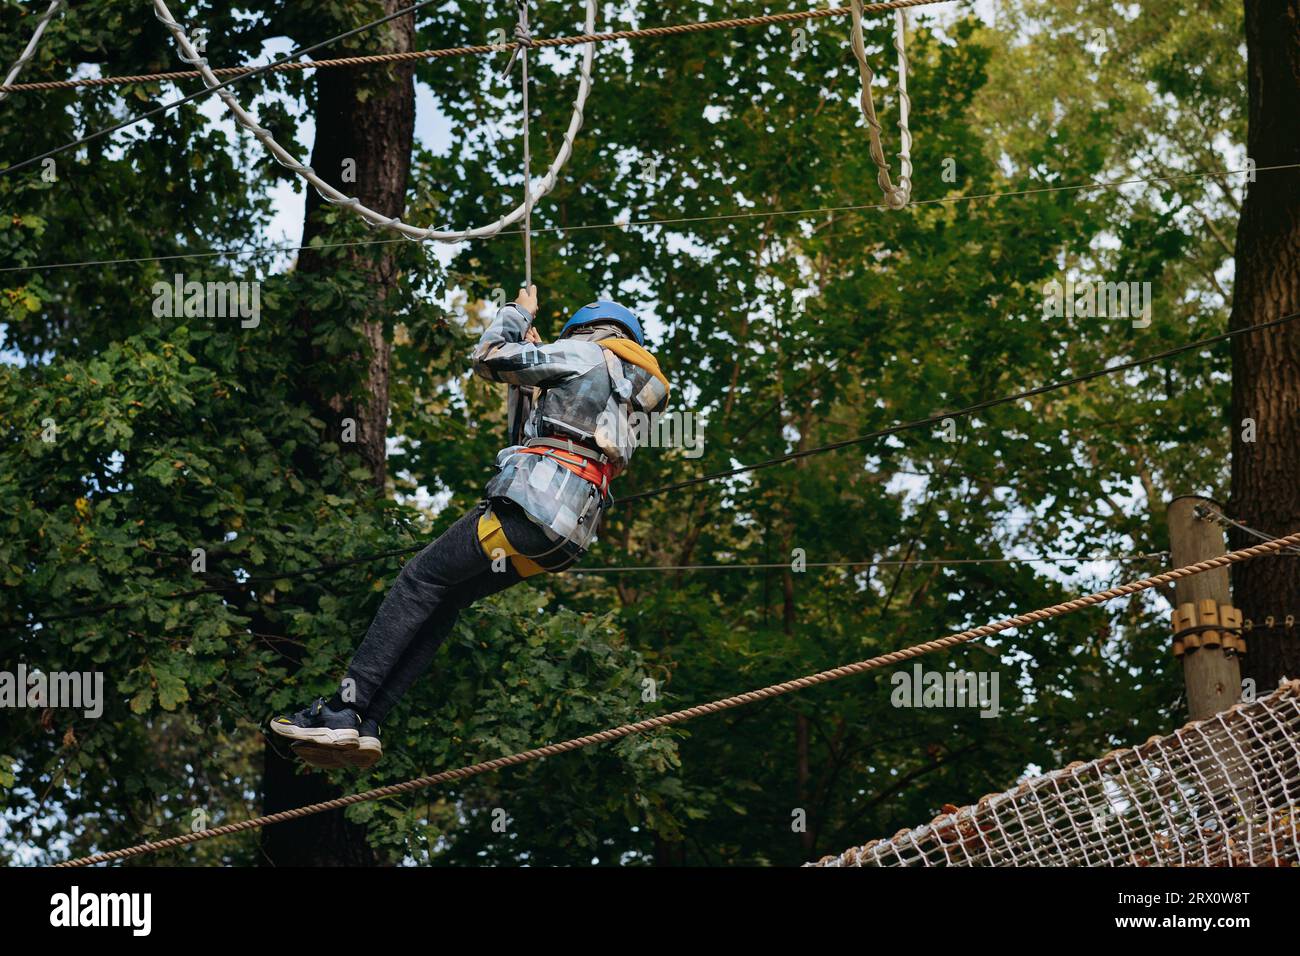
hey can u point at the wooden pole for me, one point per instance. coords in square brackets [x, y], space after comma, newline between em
[1211, 676]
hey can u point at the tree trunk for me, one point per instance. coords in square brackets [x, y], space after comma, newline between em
[1266, 365]
[366, 116]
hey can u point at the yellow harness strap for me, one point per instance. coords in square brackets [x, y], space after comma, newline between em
[492, 539]
[629, 351]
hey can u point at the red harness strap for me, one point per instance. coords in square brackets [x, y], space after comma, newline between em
[595, 472]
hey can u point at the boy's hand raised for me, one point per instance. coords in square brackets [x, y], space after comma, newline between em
[527, 299]
[532, 336]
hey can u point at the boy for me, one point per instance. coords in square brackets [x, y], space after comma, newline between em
[569, 405]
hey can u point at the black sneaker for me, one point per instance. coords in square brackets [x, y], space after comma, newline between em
[318, 724]
[363, 756]
[322, 757]
[368, 749]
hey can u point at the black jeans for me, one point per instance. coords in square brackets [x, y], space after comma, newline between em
[421, 608]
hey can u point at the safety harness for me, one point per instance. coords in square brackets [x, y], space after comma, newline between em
[587, 463]
[492, 539]
[635, 354]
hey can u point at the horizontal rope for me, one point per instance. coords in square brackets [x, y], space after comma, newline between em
[685, 220]
[253, 71]
[376, 59]
[680, 716]
[868, 563]
[235, 584]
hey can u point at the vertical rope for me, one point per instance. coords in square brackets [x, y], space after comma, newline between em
[904, 108]
[525, 38]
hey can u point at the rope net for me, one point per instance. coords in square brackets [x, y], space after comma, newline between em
[1224, 791]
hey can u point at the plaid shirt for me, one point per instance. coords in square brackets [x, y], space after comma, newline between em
[570, 389]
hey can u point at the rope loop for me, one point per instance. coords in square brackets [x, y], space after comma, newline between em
[523, 37]
[333, 195]
[896, 196]
[29, 51]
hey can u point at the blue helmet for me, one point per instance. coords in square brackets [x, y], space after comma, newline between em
[602, 310]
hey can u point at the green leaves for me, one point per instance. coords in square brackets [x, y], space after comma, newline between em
[142, 701]
[171, 435]
[171, 689]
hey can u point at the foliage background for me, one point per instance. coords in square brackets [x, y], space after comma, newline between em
[785, 331]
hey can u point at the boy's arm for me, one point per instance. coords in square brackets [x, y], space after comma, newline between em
[505, 355]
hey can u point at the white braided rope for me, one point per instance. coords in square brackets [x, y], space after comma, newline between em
[30, 50]
[896, 197]
[190, 56]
